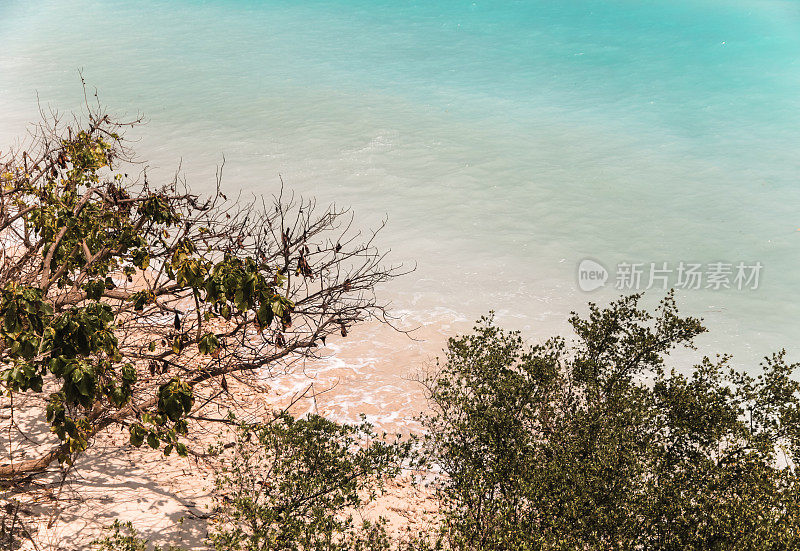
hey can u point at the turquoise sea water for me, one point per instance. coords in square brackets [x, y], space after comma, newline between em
[505, 140]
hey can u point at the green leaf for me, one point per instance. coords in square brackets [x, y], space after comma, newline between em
[138, 433]
[208, 343]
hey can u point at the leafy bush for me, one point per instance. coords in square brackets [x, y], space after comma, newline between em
[594, 444]
[293, 484]
[122, 536]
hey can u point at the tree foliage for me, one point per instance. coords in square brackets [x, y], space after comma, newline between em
[594, 444]
[294, 484]
[122, 536]
[124, 303]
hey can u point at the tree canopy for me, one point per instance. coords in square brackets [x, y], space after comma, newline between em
[128, 303]
[593, 443]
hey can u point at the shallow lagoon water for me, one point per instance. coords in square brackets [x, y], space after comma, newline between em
[504, 140]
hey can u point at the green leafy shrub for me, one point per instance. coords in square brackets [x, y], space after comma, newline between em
[594, 444]
[293, 484]
[122, 536]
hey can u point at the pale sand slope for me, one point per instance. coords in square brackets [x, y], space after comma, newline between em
[168, 499]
